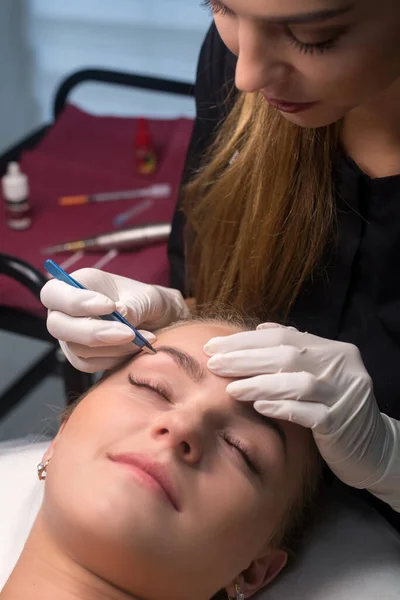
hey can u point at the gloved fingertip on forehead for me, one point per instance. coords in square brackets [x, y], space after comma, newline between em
[213, 346]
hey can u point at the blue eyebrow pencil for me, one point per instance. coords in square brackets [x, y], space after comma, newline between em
[54, 269]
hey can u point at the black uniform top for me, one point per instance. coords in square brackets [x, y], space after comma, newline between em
[357, 299]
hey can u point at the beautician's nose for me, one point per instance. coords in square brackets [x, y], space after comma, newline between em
[184, 431]
[260, 64]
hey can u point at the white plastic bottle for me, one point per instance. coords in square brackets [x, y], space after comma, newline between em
[16, 197]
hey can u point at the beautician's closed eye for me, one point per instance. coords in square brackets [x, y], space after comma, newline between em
[320, 42]
[313, 47]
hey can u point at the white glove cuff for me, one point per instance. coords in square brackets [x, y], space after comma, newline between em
[387, 488]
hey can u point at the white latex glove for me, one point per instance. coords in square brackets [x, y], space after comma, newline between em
[319, 384]
[91, 344]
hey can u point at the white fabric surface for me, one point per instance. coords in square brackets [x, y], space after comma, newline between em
[352, 555]
[20, 498]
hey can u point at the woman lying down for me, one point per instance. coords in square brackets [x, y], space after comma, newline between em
[159, 486]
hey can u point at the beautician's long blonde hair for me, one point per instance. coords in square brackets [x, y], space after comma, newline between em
[258, 225]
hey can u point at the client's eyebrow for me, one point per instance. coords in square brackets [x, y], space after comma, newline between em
[243, 409]
[185, 361]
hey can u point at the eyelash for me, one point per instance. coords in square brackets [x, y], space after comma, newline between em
[253, 464]
[217, 8]
[319, 48]
[153, 387]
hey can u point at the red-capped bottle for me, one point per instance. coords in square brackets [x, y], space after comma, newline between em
[145, 157]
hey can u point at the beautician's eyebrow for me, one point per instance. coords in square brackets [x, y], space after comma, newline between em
[246, 410]
[312, 17]
[185, 361]
[309, 17]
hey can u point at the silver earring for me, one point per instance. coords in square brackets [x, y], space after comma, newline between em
[42, 469]
[238, 593]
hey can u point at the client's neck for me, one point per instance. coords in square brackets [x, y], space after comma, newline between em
[45, 572]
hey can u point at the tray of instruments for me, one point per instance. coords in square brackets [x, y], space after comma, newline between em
[84, 156]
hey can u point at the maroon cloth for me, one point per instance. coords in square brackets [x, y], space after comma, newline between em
[85, 154]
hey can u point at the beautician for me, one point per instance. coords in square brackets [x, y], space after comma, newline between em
[292, 206]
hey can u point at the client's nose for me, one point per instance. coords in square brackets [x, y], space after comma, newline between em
[259, 63]
[183, 434]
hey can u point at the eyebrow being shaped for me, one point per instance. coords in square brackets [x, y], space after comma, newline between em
[185, 361]
[309, 17]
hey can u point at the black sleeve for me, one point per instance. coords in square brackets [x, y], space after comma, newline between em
[214, 84]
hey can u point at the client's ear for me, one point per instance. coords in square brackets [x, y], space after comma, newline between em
[260, 573]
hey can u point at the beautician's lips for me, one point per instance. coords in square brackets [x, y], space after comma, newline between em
[152, 473]
[289, 107]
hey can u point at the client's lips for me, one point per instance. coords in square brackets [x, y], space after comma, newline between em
[153, 473]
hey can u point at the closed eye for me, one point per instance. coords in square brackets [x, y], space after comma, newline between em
[154, 387]
[251, 462]
[313, 47]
